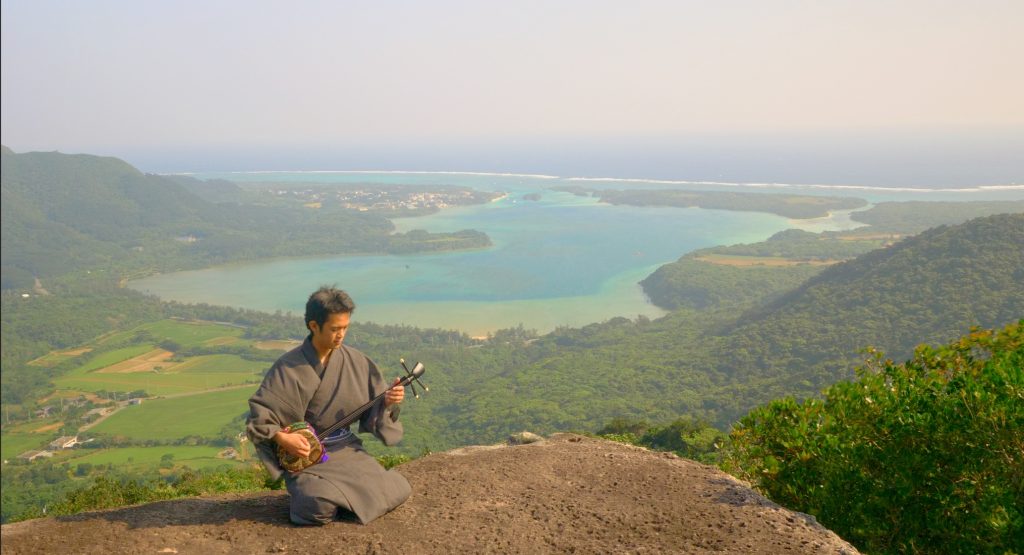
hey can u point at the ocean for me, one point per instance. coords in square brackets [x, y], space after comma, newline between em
[562, 260]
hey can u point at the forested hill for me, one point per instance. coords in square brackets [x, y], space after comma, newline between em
[63, 213]
[66, 211]
[927, 288]
[718, 364]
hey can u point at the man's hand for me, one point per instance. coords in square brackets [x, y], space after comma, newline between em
[395, 394]
[295, 445]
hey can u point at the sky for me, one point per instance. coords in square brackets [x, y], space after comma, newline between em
[178, 79]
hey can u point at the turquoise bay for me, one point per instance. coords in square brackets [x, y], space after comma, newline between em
[562, 260]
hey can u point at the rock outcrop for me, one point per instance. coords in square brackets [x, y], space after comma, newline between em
[567, 494]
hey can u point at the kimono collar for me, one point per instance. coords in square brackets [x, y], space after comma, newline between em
[311, 356]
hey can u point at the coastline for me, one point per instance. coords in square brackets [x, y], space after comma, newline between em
[836, 220]
[545, 285]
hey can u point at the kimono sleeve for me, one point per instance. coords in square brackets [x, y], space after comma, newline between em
[263, 421]
[380, 421]
[269, 413]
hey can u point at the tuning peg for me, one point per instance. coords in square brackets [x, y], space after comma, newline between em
[415, 374]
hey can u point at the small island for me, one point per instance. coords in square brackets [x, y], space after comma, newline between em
[390, 200]
[799, 207]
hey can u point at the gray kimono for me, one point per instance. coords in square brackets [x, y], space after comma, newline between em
[298, 388]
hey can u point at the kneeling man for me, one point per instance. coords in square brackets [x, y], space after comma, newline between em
[320, 382]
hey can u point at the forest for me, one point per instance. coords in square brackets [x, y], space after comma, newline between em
[87, 214]
[720, 360]
[784, 318]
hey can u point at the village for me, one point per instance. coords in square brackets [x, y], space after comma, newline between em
[90, 418]
[385, 198]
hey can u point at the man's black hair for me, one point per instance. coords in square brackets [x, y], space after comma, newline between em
[326, 301]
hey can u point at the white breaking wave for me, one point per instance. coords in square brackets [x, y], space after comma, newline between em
[411, 172]
[977, 189]
[753, 185]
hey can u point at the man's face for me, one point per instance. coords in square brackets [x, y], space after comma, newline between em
[332, 333]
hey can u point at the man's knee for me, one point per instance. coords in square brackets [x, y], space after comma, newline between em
[399, 489]
[310, 511]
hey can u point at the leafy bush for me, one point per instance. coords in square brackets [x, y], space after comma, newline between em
[108, 492]
[686, 436]
[391, 461]
[924, 456]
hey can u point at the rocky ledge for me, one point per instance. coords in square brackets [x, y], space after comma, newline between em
[565, 494]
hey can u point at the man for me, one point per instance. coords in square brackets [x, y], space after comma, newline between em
[320, 382]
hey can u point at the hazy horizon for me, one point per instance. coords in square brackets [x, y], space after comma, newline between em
[920, 158]
[687, 90]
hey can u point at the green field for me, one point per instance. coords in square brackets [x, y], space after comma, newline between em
[185, 333]
[14, 444]
[145, 458]
[54, 358]
[189, 334]
[108, 358]
[200, 415]
[223, 364]
[195, 374]
[166, 377]
[31, 426]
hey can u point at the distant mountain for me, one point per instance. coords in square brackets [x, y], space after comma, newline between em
[63, 213]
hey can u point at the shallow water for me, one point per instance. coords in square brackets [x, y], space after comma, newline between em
[564, 260]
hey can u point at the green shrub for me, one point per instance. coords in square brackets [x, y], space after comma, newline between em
[105, 492]
[686, 436]
[924, 456]
[390, 461]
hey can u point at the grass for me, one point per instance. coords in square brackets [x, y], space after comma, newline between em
[224, 364]
[144, 362]
[145, 458]
[743, 260]
[190, 334]
[159, 377]
[217, 341]
[185, 333]
[56, 357]
[14, 444]
[276, 345]
[31, 426]
[193, 375]
[108, 358]
[200, 415]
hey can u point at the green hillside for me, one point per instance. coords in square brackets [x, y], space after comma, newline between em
[742, 275]
[748, 323]
[931, 288]
[718, 364]
[65, 213]
[699, 363]
[916, 216]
